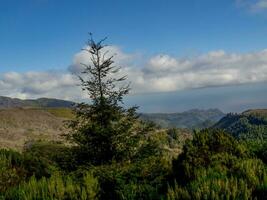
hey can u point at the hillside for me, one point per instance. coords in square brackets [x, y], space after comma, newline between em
[7, 102]
[195, 118]
[18, 125]
[257, 112]
[251, 124]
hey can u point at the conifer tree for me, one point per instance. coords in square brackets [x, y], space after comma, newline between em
[103, 130]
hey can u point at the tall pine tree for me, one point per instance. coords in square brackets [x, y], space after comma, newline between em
[103, 130]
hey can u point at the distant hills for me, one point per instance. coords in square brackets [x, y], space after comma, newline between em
[191, 119]
[24, 120]
[44, 116]
[7, 102]
[251, 124]
[19, 125]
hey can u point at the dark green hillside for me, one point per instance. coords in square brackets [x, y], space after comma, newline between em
[215, 165]
[251, 124]
[189, 119]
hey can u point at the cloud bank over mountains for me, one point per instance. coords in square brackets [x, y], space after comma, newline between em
[158, 73]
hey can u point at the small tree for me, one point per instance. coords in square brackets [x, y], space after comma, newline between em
[104, 130]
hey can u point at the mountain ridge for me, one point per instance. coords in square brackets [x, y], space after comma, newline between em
[191, 119]
[194, 118]
[8, 102]
[250, 124]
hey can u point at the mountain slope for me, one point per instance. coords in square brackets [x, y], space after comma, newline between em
[18, 125]
[7, 102]
[190, 119]
[251, 124]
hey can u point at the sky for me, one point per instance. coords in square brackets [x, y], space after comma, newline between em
[178, 55]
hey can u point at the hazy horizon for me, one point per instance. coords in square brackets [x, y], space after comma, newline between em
[227, 99]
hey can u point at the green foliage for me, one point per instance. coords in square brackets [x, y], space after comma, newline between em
[245, 126]
[216, 166]
[177, 137]
[65, 113]
[52, 153]
[207, 148]
[191, 119]
[262, 152]
[56, 187]
[144, 179]
[258, 148]
[11, 169]
[230, 188]
[16, 167]
[213, 165]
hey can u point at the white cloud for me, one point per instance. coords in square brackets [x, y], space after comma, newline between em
[159, 73]
[162, 62]
[253, 5]
[260, 5]
[39, 84]
[81, 58]
[215, 68]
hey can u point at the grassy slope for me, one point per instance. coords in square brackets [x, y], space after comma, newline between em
[257, 112]
[19, 125]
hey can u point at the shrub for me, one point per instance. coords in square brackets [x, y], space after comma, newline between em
[56, 187]
[11, 169]
[214, 165]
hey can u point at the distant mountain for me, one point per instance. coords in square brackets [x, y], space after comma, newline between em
[7, 102]
[251, 124]
[191, 119]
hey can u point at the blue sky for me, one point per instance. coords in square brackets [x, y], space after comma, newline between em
[44, 34]
[40, 36]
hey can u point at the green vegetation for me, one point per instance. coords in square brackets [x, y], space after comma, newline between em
[111, 154]
[212, 165]
[248, 125]
[56, 187]
[65, 113]
[191, 119]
